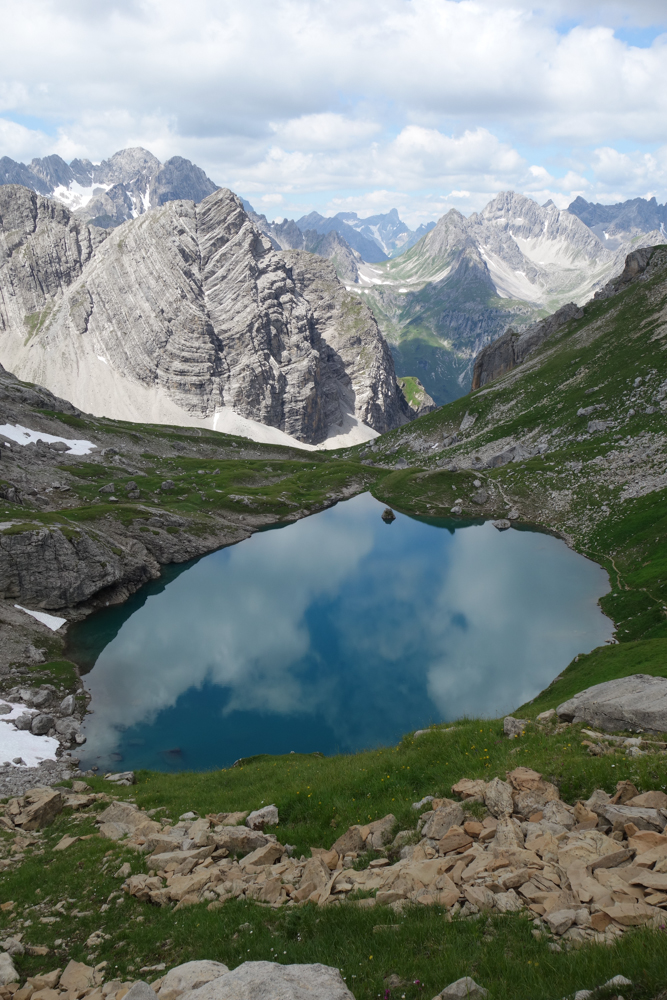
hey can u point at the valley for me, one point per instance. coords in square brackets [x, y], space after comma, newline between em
[564, 435]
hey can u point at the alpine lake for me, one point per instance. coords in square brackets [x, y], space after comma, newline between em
[335, 633]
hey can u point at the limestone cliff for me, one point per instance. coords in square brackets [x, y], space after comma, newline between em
[187, 315]
[512, 348]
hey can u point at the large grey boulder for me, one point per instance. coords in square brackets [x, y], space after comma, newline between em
[465, 989]
[638, 702]
[498, 798]
[191, 975]
[442, 819]
[271, 981]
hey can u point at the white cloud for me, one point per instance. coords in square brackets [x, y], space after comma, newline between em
[323, 131]
[298, 97]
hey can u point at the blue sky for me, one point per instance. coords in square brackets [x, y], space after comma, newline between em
[357, 105]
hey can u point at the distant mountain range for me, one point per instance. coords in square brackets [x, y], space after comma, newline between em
[109, 193]
[467, 280]
[376, 238]
[439, 293]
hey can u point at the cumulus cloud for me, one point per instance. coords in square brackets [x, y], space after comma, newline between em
[325, 100]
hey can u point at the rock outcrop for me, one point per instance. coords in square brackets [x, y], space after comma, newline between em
[187, 315]
[512, 348]
[638, 702]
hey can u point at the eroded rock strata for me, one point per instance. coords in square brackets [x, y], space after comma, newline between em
[185, 315]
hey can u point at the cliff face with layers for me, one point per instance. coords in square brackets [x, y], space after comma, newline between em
[187, 315]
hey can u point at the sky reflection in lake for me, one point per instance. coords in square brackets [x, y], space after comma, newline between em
[334, 633]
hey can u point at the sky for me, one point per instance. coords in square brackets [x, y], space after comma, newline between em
[352, 105]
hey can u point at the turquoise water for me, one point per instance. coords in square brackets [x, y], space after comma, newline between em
[332, 634]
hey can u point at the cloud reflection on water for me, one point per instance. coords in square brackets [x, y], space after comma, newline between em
[373, 629]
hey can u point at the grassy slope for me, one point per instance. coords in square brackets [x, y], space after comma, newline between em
[318, 798]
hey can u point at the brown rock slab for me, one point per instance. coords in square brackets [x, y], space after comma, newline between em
[77, 977]
[349, 842]
[442, 819]
[647, 840]
[265, 855]
[455, 839]
[470, 788]
[630, 914]
[524, 779]
[600, 921]
[652, 800]
[38, 808]
[625, 791]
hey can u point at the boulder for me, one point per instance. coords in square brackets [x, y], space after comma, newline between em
[67, 705]
[38, 808]
[652, 800]
[463, 989]
[454, 840]
[442, 819]
[140, 991]
[524, 779]
[349, 842]
[191, 975]
[632, 914]
[265, 855]
[239, 839]
[266, 816]
[635, 702]
[68, 727]
[380, 830]
[120, 777]
[470, 788]
[560, 920]
[42, 724]
[559, 812]
[315, 871]
[514, 727]
[8, 973]
[78, 977]
[643, 818]
[271, 981]
[498, 798]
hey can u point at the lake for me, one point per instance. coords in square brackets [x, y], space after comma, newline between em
[333, 634]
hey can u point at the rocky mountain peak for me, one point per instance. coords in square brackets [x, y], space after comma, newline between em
[188, 315]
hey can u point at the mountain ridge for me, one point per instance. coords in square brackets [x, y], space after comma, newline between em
[469, 279]
[187, 315]
[115, 190]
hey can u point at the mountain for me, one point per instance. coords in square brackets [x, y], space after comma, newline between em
[115, 190]
[467, 280]
[368, 249]
[286, 235]
[614, 224]
[187, 315]
[389, 232]
[570, 436]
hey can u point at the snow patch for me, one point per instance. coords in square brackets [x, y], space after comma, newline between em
[23, 435]
[76, 196]
[21, 742]
[51, 621]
